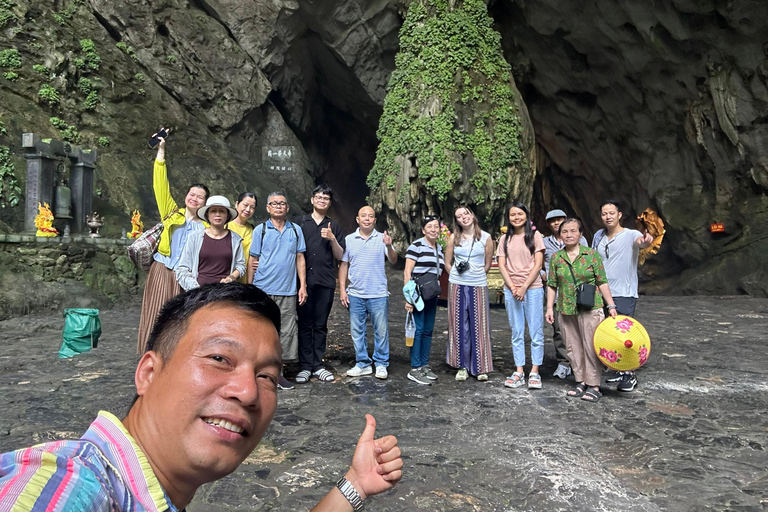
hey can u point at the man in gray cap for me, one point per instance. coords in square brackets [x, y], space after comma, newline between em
[552, 243]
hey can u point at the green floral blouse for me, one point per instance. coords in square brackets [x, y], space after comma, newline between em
[588, 268]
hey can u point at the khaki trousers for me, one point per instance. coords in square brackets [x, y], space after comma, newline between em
[578, 332]
[289, 332]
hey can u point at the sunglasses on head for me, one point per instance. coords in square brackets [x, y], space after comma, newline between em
[430, 218]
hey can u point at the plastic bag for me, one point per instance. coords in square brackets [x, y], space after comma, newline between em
[410, 329]
[82, 329]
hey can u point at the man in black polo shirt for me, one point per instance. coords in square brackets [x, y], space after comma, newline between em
[325, 246]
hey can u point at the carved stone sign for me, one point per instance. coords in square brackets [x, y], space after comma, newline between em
[278, 158]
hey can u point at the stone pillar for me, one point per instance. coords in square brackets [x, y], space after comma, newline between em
[81, 182]
[42, 158]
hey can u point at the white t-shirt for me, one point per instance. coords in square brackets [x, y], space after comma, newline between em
[475, 275]
[619, 256]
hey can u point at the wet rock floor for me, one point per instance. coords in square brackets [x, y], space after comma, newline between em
[693, 436]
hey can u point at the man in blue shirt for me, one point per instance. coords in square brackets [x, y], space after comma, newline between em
[277, 255]
[367, 294]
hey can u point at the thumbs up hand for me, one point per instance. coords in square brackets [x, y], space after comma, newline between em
[327, 232]
[376, 464]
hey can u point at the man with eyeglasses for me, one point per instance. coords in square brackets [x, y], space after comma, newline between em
[619, 248]
[325, 243]
[277, 255]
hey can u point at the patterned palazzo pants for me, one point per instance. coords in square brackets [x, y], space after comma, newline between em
[469, 330]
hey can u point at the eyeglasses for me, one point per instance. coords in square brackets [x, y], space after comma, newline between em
[275, 204]
[322, 199]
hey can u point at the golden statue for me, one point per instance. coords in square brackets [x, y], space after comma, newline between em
[44, 221]
[650, 221]
[137, 227]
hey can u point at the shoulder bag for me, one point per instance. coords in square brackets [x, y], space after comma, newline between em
[141, 251]
[429, 283]
[585, 293]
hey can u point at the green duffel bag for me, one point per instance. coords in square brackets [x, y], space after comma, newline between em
[82, 329]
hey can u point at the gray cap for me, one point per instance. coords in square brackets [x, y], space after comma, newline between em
[556, 213]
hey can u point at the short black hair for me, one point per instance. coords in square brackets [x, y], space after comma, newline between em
[323, 188]
[172, 322]
[614, 202]
[569, 220]
[200, 185]
[247, 194]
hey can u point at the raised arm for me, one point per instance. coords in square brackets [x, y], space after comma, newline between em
[376, 467]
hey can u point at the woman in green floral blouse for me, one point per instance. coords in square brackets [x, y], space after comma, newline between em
[578, 325]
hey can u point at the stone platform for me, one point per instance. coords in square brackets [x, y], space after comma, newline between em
[692, 437]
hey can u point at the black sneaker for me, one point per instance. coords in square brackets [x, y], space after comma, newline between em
[613, 376]
[283, 383]
[628, 382]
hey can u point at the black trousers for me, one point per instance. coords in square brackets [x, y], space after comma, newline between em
[313, 327]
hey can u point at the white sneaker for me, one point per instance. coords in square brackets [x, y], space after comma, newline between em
[381, 372]
[359, 371]
[462, 374]
[562, 371]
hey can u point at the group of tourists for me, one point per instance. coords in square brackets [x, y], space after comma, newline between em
[297, 264]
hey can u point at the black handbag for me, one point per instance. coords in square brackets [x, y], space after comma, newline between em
[429, 283]
[585, 293]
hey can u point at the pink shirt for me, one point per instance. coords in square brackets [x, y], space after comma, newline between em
[519, 260]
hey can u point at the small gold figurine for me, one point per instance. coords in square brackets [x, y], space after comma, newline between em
[44, 221]
[137, 227]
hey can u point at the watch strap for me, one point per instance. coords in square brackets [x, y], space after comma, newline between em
[348, 491]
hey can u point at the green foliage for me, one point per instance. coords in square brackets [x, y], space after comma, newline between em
[85, 85]
[104, 141]
[91, 101]
[449, 99]
[128, 50]
[6, 14]
[10, 192]
[39, 68]
[10, 58]
[68, 132]
[92, 59]
[3, 131]
[48, 94]
[11, 76]
[79, 62]
[65, 14]
[171, 59]
[142, 92]
[139, 77]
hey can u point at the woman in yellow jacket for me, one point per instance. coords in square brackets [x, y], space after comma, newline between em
[245, 206]
[161, 283]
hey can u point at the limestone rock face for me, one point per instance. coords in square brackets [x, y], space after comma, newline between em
[657, 105]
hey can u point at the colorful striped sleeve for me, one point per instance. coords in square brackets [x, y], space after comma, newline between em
[50, 478]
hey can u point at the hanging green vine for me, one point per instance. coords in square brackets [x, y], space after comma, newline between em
[449, 98]
[10, 192]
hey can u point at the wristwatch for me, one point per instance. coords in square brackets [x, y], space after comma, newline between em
[349, 492]
[611, 306]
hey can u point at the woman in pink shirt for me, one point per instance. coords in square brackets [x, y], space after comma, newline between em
[521, 254]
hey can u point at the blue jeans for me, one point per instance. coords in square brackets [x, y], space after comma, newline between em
[519, 313]
[422, 340]
[359, 309]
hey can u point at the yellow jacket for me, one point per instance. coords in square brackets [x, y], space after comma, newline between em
[165, 205]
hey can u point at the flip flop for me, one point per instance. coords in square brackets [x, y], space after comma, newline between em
[592, 395]
[324, 375]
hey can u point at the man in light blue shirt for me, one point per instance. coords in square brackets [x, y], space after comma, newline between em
[367, 293]
[277, 256]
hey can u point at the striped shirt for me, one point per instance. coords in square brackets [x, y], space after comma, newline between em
[105, 470]
[367, 275]
[424, 257]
